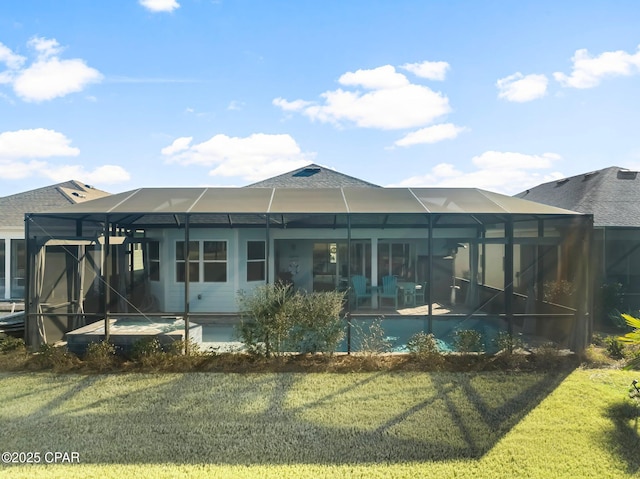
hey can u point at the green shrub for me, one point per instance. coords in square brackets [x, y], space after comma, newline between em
[276, 320]
[56, 358]
[179, 347]
[100, 356]
[615, 348]
[373, 340]
[508, 343]
[548, 355]
[316, 323]
[468, 340]
[9, 343]
[265, 323]
[146, 347]
[424, 348]
[422, 344]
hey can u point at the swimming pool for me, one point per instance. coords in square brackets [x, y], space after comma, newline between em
[396, 331]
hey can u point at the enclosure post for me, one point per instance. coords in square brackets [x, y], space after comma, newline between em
[106, 277]
[27, 288]
[430, 275]
[508, 274]
[349, 283]
[267, 252]
[186, 284]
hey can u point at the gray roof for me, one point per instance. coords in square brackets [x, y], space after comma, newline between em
[312, 176]
[14, 207]
[307, 200]
[612, 195]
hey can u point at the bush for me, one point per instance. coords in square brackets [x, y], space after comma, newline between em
[265, 323]
[508, 343]
[424, 348]
[468, 340]
[9, 344]
[100, 356]
[316, 323]
[146, 347]
[56, 358]
[548, 355]
[372, 341]
[276, 320]
[615, 348]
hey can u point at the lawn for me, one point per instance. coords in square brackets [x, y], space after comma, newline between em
[573, 424]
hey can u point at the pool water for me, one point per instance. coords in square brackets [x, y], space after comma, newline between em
[395, 331]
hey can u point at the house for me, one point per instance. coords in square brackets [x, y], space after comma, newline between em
[459, 257]
[12, 243]
[612, 196]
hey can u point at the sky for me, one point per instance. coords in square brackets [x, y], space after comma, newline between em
[498, 95]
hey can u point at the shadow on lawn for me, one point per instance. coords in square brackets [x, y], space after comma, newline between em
[286, 418]
[623, 438]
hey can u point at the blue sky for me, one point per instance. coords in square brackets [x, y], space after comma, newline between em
[500, 95]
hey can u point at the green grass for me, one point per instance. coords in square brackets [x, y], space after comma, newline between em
[381, 424]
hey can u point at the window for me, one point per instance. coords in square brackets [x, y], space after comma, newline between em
[256, 261]
[153, 257]
[193, 260]
[215, 261]
[395, 259]
[207, 261]
[2, 267]
[18, 267]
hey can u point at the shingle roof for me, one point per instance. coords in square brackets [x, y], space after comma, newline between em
[14, 207]
[312, 176]
[612, 195]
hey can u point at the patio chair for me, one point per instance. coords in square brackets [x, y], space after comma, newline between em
[421, 293]
[409, 290]
[389, 290]
[360, 289]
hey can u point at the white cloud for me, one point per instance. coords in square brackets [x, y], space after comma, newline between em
[588, 71]
[179, 144]
[380, 78]
[235, 105]
[390, 103]
[35, 143]
[503, 172]
[10, 59]
[45, 47]
[105, 174]
[160, 5]
[48, 77]
[18, 170]
[251, 158]
[431, 134]
[428, 70]
[521, 88]
[18, 147]
[296, 105]
[46, 80]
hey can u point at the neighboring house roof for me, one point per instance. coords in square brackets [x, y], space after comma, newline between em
[14, 207]
[312, 176]
[612, 195]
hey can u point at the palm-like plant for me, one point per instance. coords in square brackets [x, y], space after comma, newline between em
[632, 337]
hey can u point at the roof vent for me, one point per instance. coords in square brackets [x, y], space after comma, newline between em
[308, 171]
[562, 181]
[590, 174]
[79, 195]
[88, 186]
[627, 175]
